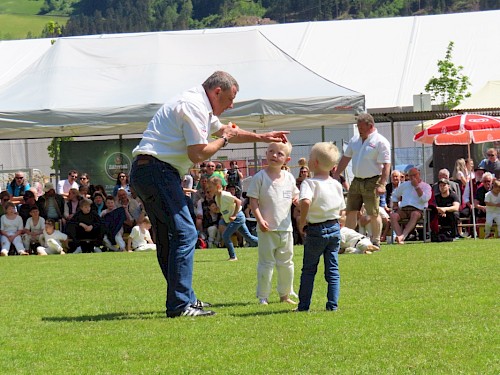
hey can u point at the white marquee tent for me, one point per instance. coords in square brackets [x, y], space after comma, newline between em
[388, 60]
[113, 85]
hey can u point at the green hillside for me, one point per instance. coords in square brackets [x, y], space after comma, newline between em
[18, 18]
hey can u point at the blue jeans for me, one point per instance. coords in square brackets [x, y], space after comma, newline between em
[158, 184]
[320, 240]
[239, 224]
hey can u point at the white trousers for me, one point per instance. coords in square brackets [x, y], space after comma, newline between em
[53, 247]
[18, 243]
[275, 249]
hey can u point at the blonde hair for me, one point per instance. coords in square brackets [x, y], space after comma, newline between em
[286, 147]
[145, 220]
[460, 167]
[215, 180]
[327, 155]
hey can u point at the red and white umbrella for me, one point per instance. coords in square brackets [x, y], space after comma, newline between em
[462, 130]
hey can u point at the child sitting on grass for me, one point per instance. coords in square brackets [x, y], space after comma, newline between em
[232, 215]
[85, 229]
[51, 240]
[321, 201]
[12, 229]
[272, 192]
[140, 238]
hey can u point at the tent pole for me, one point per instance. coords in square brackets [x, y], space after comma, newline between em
[255, 170]
[322, 133]
[393, 156]
[471, 197]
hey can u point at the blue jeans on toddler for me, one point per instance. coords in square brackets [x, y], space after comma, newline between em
[321, 239]
[239, 224]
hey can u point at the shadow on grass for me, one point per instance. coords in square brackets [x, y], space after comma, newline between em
[263, 313]
[111, 316]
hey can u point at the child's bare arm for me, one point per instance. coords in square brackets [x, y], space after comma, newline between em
[304, 209]
[254, 204]
[129, 244]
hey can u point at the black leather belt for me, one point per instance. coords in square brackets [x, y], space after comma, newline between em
[328, 222]
[145, 159]
[367, 178]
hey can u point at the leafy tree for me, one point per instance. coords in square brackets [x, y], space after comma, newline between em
[52, 29]
[450, 88]
[54, 149]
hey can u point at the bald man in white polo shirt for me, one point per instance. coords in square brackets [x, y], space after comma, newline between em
[371, 163]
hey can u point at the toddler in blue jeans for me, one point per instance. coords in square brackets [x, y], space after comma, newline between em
[234, 219]
[321, 202]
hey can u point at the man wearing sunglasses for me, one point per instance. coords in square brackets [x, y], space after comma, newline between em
[17, 187]
[63, 186]
[491, 163]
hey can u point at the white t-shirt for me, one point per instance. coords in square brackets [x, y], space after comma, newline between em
[63, 186]
[11, 226]
[326, 196]
[138, 238]
[368, 156]
[275, 198]
[56, 235]
[491, 198]
[186, 120]
[35, 228]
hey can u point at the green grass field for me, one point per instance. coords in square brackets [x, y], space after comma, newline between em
[18, 17]
[413, 309]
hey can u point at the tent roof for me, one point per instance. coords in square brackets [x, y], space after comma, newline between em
[487, 97]
[116, 84]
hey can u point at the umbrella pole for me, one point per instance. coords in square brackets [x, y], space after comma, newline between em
[471, 196]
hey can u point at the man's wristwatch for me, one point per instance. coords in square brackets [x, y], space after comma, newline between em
[226, 141]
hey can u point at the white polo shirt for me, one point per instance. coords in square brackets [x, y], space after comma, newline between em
[326, 196]
[368, 156]
[186, 120]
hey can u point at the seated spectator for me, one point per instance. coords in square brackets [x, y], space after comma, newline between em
[113, 218]
[4, 198]
[211, 218]
[11, 229]
[52, 203]
[122, 183]
[414, 195]
[492, 201]
[454, 186]
[133, 210]
[52, 240]
[85, 182]
[98, 203]
[140, 238]
[33, 229]
[210, 171]
[479, 202]
[478, 176]
[84, 225]
[71, 206]
[446, 210]
[220, 172]
[17, 187]
[102, 190]
[303, 172]
[63, 186]
[491, 163]
[29, 202]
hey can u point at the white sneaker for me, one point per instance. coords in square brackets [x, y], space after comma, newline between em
[97, 249]
[263, 301]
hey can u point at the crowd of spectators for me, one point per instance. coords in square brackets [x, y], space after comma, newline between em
[73, 218]
[80, 217]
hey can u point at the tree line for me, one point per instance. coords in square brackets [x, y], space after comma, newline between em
[118, 16]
